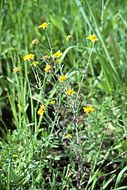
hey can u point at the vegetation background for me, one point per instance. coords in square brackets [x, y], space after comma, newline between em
[35, 152]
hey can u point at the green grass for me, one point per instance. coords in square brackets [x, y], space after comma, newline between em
[34, 150]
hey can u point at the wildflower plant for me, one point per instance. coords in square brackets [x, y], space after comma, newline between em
[52, 89]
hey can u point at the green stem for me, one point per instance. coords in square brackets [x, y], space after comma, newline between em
[50, 46]
[86, 68]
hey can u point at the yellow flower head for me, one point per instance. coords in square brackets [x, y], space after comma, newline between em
[17, 69]
[35, 42]
[43, 25]
[52, 102]
[47, 68]
[68, 136]
[41, 110]
[58, 54]
[69, 37]
[88, 109]
[34, 63]
[93, 38]
[28, 57]
[70, 92]
[63, 78]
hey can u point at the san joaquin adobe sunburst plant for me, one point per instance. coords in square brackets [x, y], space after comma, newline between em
[63, 95]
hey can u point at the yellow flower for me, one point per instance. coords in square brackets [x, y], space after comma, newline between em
[52, 102]
[58, 54]
[34, 63]
[70, 92]
[17, 69]
[68, 136]
[63, 78]
[93, 38]
[35, 42]
[28, 57]
[43, 25]
[41, 110]
[69, 37]
[88, 109]
[47, 68]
